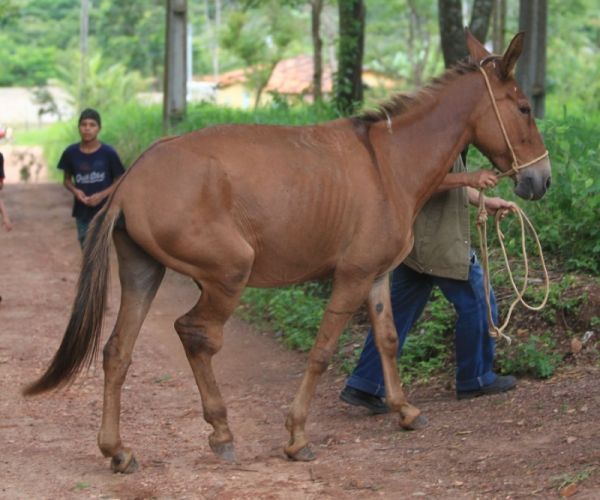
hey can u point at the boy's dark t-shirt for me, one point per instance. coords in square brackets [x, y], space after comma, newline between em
[92, 173]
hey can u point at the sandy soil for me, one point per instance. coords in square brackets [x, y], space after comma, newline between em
[539, 441]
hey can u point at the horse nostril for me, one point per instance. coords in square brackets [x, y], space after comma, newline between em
[548, 182]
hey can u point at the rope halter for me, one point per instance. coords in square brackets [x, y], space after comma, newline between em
[516, 166]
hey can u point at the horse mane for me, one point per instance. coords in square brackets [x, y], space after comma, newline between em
[403, 101]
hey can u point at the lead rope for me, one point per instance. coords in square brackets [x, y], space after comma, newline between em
[494, 330]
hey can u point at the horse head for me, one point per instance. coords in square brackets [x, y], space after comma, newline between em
[504, 127]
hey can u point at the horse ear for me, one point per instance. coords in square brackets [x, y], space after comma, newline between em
[509, 59]
[476, 49]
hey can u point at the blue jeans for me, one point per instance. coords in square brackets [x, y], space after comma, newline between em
[82, 229]
[475, 349]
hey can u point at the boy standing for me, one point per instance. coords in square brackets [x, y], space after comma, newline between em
[90, 171]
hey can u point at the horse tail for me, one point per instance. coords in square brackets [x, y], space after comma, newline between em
[79, 346]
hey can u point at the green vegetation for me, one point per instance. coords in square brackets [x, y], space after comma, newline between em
[565, 218]
[426, 350]
[564, 480]
[535, 356]
[295, 312]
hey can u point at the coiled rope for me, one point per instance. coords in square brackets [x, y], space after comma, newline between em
[494, 330]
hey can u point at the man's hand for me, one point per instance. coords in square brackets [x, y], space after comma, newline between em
[481, 179]
[503, 207]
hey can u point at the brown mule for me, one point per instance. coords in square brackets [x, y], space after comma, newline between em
[265, 206]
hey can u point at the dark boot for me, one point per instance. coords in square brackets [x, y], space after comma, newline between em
[502, 383]
[355, 397]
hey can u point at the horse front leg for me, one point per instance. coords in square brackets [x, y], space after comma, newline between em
[347, 295]
[386, 340]
[140, 277]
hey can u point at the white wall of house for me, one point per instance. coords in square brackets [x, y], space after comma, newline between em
[18, 108]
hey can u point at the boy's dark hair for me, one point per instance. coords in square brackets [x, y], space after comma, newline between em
[90, 114]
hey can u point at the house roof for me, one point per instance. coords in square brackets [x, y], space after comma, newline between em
[290, 76]
[225, 79]
[295, 76]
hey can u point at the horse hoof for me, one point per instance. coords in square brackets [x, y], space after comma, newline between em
[420, 422]
[225, 451]
[124, 462]
[304, 454]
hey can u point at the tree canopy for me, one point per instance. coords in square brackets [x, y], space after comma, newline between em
[39, 38]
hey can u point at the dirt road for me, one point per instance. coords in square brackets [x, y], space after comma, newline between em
[531, 443]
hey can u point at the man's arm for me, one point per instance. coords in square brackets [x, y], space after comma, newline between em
[481, 179]
[474, 181]
[492, 204]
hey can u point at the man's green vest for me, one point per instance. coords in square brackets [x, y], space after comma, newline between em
[442, 234]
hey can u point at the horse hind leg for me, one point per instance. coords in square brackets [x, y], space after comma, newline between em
[140, 276]
[201, 333]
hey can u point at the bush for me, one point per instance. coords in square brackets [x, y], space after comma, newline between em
[293, 312]
[536, 356]
[426, 350]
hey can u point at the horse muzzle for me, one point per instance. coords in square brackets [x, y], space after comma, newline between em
[533, 182]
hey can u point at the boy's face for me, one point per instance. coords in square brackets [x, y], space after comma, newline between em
[88, 130]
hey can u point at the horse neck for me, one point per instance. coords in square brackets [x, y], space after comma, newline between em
[426, 140]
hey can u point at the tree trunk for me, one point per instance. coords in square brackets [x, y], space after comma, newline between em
[498, 26]
[531, 67]
[480, 18]
[213, 27]
[316, 9]
[452, 31]
[175, 78]
[417, 56]
[84, 18]
[349, 88]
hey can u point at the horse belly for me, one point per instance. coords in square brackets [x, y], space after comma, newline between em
[294, 255]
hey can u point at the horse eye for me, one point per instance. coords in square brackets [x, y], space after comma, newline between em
[525, 110]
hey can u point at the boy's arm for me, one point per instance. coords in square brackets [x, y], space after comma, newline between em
[117, 171]
[98, 197]
[78, 193]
